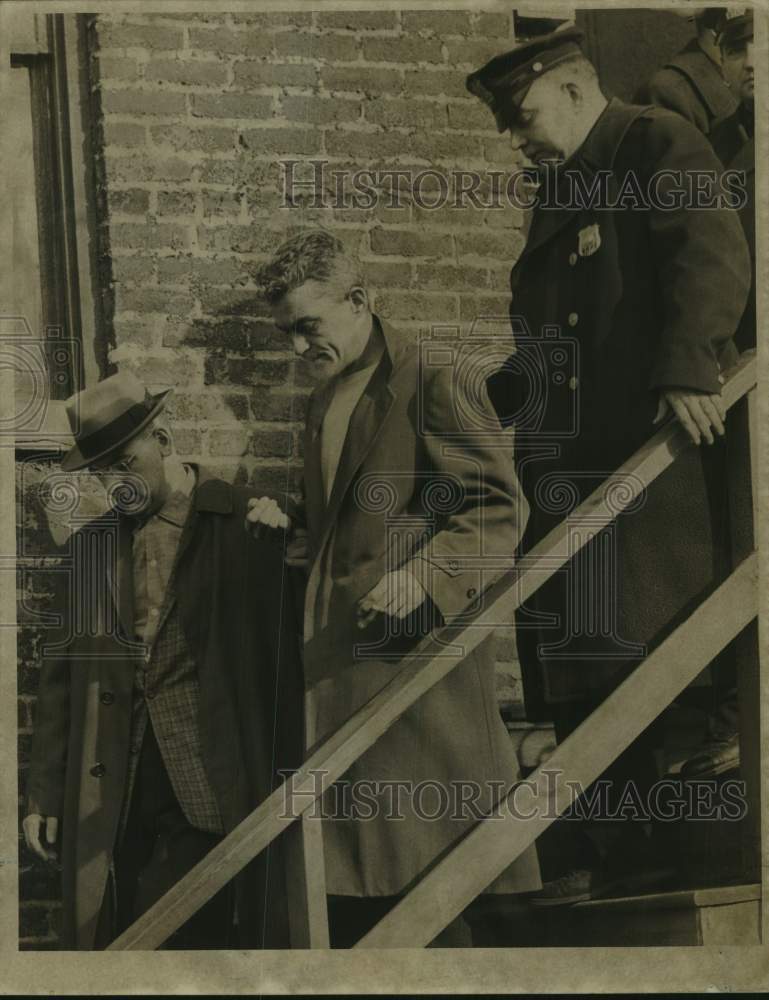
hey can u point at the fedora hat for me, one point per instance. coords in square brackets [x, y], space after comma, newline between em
[108, 415]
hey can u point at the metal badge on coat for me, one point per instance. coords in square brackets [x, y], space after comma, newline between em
[589, 240]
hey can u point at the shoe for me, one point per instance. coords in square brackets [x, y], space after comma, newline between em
[574, 887]
[716, 757]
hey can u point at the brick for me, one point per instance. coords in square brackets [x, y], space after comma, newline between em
[275, 477]
[409, 114]
[384, 145]
[130, 169]
[497, 26]
[188, 441]
[450, 277]
[403, 50]
[320, 110]
[272, 444]
[142, 102]
[137, 332]
[244, 371]
[358, 20]
[417, 307]
[363, 79]
[136, 270]
[231, 302]
[124, 134]
[471, 115]
[378, 274]
[473, 307]
[410, 244]
[175, 203]
[145, 300]
[237, 239]
[327, 48]
[275, 19]
[446, 82]
[228, 443]
[499, 151]
[177, 370]
[184, 139]
[266, 404]
[234, 335]
[117, 68]
[231, 106]
[192, 72]
[208, 407]
[261, 74]
[140, 36]
[471, 52]
[150, 235]
[221, 203]
[500, 245]
[268, 141]
[261, 201]
[130, 201]
[224, 40]
[438, 22]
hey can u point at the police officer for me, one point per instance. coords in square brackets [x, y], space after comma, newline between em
[691, 83]
[622, 317]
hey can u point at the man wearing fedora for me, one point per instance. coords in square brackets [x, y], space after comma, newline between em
[171, 694]
[631, 306]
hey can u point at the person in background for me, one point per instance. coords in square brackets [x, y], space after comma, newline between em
[691, 83]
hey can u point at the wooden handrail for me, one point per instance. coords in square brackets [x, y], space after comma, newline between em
[495, 842]
[430, 662]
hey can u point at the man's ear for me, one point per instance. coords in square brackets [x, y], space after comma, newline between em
[358, 298]
[574, 92]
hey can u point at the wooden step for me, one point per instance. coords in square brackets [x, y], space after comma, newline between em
[722, 915]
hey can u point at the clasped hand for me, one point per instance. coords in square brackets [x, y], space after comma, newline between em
[698, 413]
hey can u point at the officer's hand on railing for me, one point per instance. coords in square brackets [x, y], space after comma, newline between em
[297, 550]
[698, 412]
[265, 518]
[397, 594]
[33, 827]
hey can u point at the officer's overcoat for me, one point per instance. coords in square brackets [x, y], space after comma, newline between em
[618, 304]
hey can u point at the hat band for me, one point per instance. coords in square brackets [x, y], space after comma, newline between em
[114, 433]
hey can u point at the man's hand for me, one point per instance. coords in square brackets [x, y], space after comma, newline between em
[397, 594]
[32, 827]
[265, 517]
[297, 550]
[697, 412]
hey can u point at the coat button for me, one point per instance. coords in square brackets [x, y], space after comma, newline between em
[149, 695]
[98, 770]
[573, 319]
[573, 382]
[573, 258]
[472, 592]
[107, 698]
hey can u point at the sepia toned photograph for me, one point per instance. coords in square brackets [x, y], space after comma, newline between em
[382, 426]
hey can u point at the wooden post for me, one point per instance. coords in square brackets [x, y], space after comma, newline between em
[743, 510]
[306, 881]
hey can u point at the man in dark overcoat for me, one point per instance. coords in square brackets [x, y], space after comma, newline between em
[411, 509]
[171, 694]
[691, 83]
[624, 303]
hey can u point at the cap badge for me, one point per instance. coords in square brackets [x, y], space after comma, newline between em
[589, 240]
[537, 67]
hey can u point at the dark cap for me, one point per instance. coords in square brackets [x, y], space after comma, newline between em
[737, 29]
[506, 78]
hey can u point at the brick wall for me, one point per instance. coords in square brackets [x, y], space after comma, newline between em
[197, 111]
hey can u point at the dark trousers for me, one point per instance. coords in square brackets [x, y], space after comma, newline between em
[350, 917]
[566, 845]
[159, 847]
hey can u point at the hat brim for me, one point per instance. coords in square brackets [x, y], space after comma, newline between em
[75, 460]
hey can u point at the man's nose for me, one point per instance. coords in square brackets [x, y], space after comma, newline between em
[301, 344]
[516, 139]
[749, 56]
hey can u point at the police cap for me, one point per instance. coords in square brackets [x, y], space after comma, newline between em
[506, 78]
